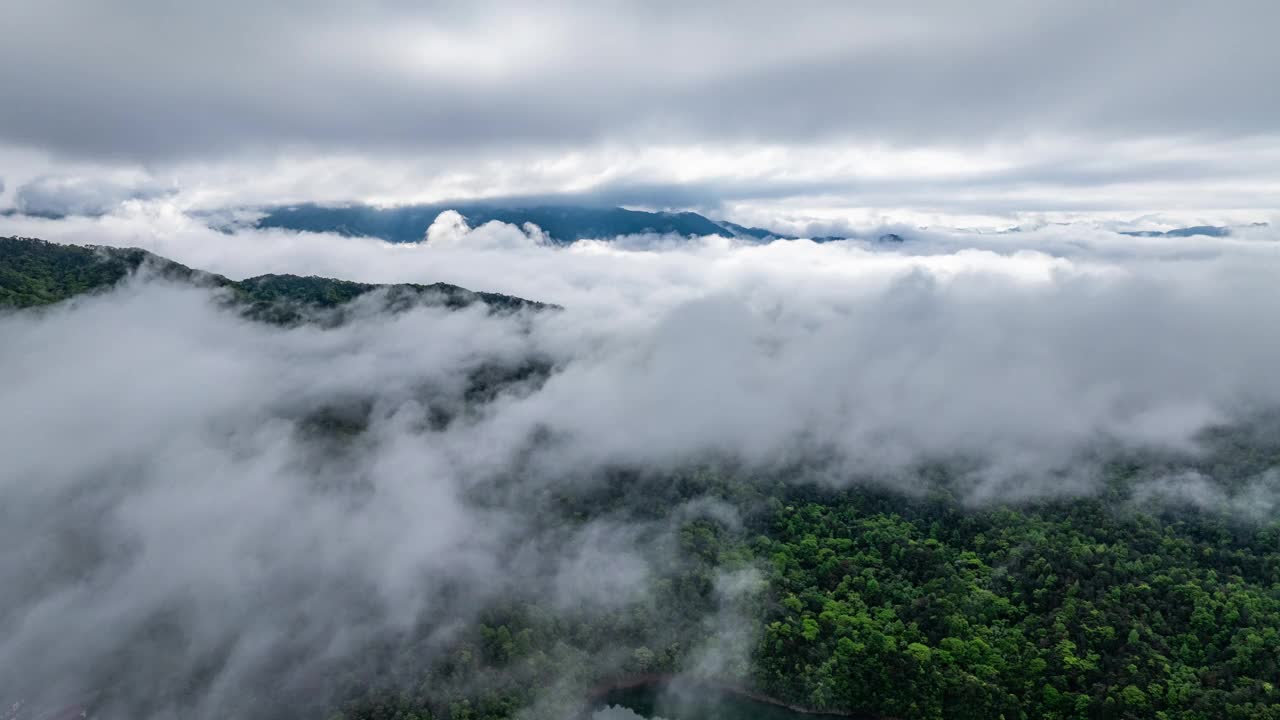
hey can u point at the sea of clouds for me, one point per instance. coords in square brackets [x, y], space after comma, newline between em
[156, 487]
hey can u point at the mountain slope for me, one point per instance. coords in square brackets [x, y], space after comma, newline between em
[1205, 230]
[758, 233]
[36, 272]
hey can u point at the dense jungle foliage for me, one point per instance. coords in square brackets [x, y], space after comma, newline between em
[884, 605]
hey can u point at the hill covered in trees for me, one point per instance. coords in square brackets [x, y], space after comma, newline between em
[35, 272]
[868, 602]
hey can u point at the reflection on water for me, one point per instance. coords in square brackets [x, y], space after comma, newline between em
[673, 701]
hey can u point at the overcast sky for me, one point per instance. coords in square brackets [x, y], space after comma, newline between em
[929, 112]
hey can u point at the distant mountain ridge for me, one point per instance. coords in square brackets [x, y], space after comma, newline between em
[1182, 232]
[754, 232]
[563, 224]
[1205, 230]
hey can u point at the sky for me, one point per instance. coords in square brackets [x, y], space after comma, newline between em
[985, 113]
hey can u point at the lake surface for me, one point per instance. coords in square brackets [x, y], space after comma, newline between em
[671, 701]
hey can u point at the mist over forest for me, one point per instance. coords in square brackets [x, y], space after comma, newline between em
[639, 360]
[469, 508]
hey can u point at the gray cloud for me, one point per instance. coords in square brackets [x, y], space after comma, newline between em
[154, 81]
[203, 507]
[59, 196]
[1103, 182]
[1258, 498]
[198, 556]
[713, 329]
[997, 109]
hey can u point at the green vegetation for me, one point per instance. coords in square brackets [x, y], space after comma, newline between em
[287, 299]
[920, 609]
[882, 605]
[35, 272]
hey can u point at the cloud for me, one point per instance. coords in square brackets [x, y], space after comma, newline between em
[192, 496]
[1008, 109]
[1258, 498]
[878, 354]
[215, 79]
[161, 484]
[787, 185]
[60, 196]
[617, 712]
[450, 229]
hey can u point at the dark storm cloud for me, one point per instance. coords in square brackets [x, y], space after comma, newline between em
[149, 81]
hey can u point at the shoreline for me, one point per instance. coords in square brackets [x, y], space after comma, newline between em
[630, 682]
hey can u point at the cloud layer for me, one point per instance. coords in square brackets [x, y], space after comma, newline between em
[995, 109]
[399, 75]
[158, 472]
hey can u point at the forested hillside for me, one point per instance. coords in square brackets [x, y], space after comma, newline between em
[883, 605]
[36, 272]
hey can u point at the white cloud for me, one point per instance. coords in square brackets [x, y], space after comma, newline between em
[880, 353]
[70, 195]
[814, 186]
[617, 712]
[865, 110]
[450, 229]
[152, 460]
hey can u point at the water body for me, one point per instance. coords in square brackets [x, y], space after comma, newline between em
[681, 701]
